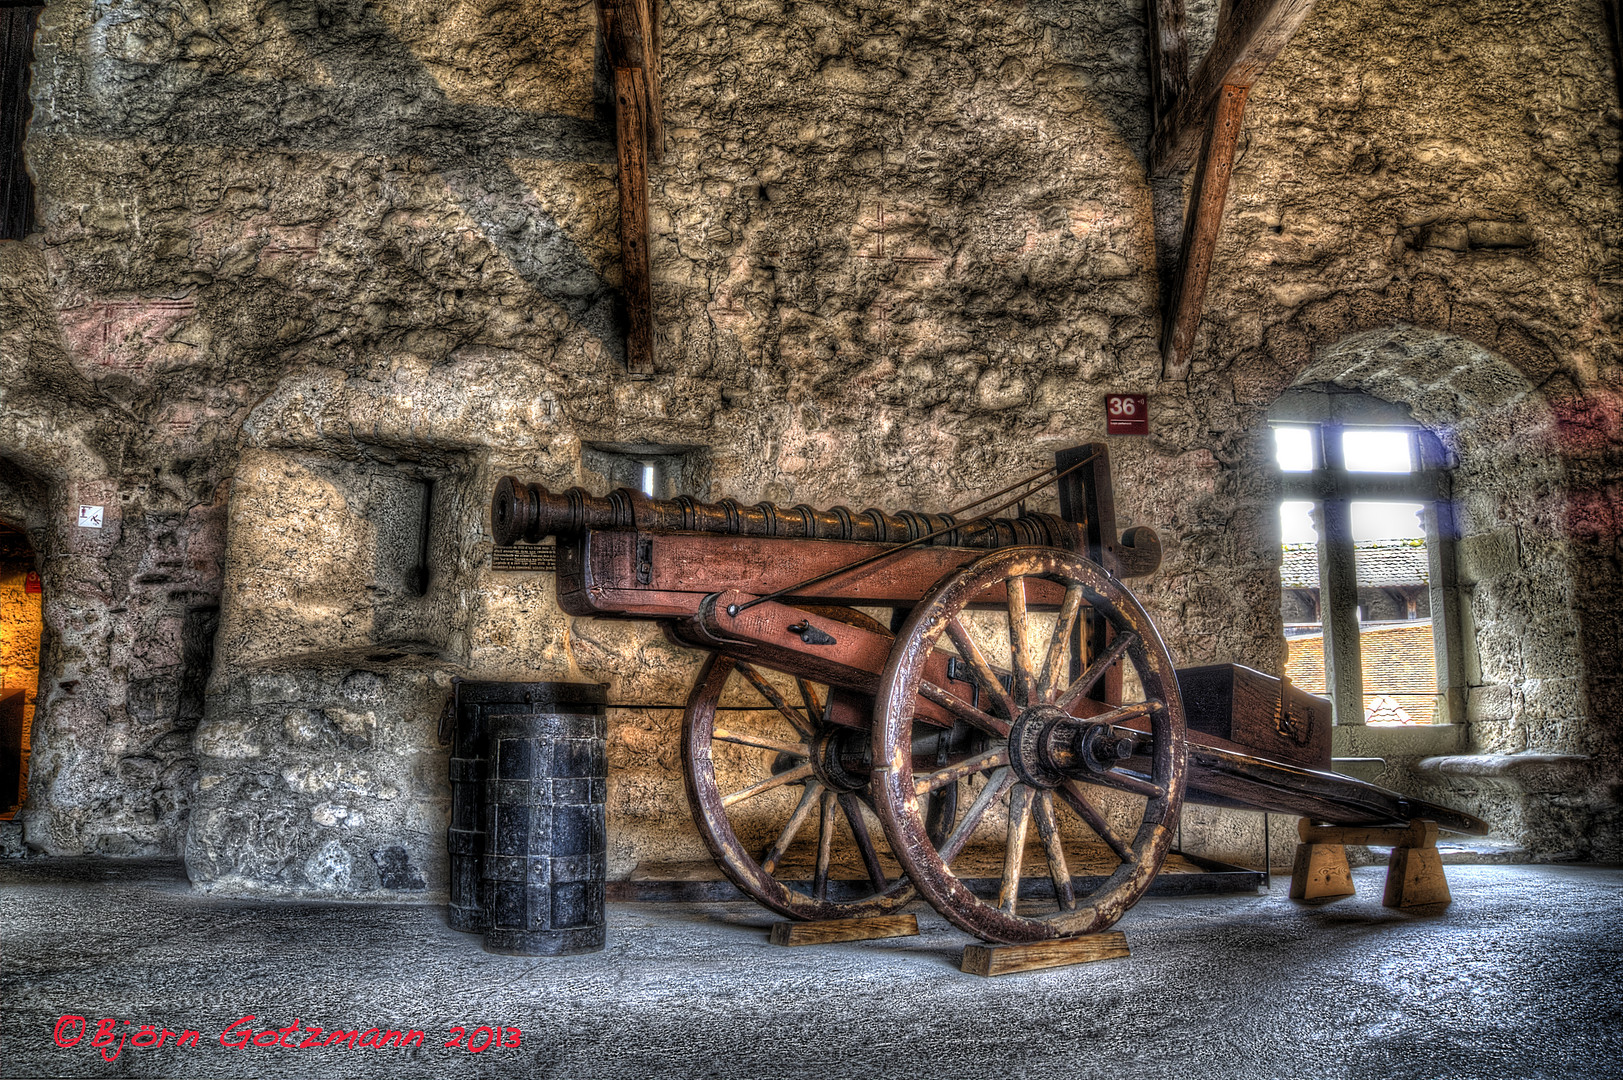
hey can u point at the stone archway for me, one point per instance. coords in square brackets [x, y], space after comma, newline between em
[1538, 743]
[1524, 689]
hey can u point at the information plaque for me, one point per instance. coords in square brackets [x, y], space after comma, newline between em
[526, 557]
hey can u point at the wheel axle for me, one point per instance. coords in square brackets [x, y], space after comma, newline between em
[1048, 746]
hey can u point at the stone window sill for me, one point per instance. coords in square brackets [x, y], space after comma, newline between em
[1421, 740]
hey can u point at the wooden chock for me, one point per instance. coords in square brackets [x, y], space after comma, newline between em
[1060, 952]
[1321, 868]
[1414, 873]
[825, 931]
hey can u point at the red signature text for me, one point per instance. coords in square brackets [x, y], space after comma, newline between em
[301, 1036]
[483, 1038]
[70, 1030]
[110, 1039]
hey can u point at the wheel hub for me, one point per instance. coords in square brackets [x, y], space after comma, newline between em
[842, 759]
[1048, 745]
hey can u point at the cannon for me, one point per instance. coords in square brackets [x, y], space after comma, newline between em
[885, 691]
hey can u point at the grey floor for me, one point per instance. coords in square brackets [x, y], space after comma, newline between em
[1520, 977]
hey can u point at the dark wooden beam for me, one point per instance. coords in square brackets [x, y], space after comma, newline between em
[1204, 225]
[631, 40]
[631, 138]
[1169, 53]
[1614, 27]
[1249, 35]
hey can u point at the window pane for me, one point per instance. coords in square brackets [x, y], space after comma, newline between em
[1377, 450]
[1293, 449]
[1394, 614]
[1387, 521]
[1299, 597]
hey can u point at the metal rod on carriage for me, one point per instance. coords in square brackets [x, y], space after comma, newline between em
[879, 556]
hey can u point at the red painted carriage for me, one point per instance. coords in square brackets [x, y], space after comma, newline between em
[838, 761]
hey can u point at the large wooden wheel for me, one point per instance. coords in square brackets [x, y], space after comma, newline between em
[1088, 785]
[784, 820]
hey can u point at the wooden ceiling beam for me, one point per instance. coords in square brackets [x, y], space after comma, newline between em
[631, 40]
[1169, 54]
[1205, 224]
[1249, 35]
[1203, 125]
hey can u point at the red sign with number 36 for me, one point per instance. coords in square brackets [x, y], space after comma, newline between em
[1127, 414]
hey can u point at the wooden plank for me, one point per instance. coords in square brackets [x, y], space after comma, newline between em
[652, 81]
[992, 960]
[824, 931]
[1205, 224]
[1169, 54]
[1419, 833]
[1614, 28]
[702, 882]
[631, 40]
[1250, 34]
[631, 140]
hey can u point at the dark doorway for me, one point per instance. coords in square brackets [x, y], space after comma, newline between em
[20, 622]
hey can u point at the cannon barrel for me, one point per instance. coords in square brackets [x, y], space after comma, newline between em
[520, 511]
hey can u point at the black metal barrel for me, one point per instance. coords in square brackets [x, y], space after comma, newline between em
[546, 847]
[476, 704]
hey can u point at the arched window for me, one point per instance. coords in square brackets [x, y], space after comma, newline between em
[1368, 592]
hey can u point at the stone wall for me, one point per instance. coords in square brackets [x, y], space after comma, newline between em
[306, 268]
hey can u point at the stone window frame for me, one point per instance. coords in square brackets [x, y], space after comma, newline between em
[1328, 411]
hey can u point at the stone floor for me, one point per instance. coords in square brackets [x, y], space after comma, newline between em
[1519, 978]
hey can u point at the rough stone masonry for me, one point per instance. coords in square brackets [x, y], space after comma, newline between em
[310, 274]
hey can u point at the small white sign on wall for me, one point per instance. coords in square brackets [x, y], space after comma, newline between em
[90, 517]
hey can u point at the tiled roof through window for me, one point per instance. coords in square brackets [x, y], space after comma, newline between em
[1380, 563]
[1400, 670]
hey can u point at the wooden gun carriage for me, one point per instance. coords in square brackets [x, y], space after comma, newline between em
[1018, 688]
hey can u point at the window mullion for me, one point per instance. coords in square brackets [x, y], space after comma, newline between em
[1442, 553]
[1338, 580]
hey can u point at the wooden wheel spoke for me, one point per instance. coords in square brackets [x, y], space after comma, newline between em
[1123, 713]
[769, 861]
[814, 705]
[859, 832]
[1049, 674]
[980, 669]
[1020, 642]
[770, 692]
[1042, 813]
[1076, 798]
[825, 845]
[1096, 669]
[1128, 782]
[991, 793]
[744, 738]
[788, 776]
[940, 778]
[1014, 851]
[962, 709]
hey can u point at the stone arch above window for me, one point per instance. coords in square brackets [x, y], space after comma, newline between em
[1521, 673]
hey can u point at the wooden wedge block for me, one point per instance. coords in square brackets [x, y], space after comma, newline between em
[1414, 878]
[823, 931]
[1061, 952]
[1320, 871]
